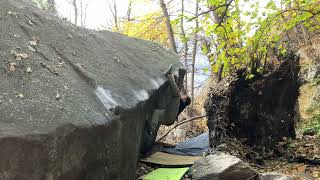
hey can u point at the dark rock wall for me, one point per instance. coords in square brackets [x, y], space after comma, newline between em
[101, 152]
[259, 111]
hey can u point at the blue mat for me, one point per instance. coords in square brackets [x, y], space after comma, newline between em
[192, 147]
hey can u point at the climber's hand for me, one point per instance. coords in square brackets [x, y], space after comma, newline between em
[170, 77]
[170, 70]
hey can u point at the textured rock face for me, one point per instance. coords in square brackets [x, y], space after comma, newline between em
[260, 111]
[221, 166]
[73, 102]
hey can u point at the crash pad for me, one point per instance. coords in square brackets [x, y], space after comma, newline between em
[162, 158]
[194, 147]
[166, 174]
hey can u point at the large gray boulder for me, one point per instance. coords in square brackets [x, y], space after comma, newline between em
[73, 102]
[221, 166]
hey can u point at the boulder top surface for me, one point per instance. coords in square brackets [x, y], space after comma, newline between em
[54, 73]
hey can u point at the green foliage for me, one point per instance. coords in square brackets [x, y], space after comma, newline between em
[249, 76]
[43, 4]
[313, 127]
[238, 33]
[241, 42]
[316, 82]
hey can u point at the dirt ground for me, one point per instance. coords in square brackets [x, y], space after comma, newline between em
[307, 147]
[304, 146]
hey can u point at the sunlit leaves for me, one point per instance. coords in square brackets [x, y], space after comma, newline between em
[175, 21]
[150, 27]
[238, 42]
[43, 4]
[271, 5]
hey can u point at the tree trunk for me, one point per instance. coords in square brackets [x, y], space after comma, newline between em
[194, 53]
[185, 46]
[81, 13]
[114, 12]
[74, 3]
[85, 15]
[129, 10]
[217, 19]
[220, 72]
[168, 25]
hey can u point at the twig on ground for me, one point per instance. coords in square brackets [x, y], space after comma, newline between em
[178, 124]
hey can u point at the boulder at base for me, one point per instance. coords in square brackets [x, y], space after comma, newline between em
[221, 166]
[274, 176]
[73, 102]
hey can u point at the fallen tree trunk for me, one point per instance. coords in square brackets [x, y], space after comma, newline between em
[258, 111]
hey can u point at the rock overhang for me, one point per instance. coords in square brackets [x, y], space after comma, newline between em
[61, 96]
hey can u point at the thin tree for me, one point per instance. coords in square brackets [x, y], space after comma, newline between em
[75, 9]
[114, 11]
[168, 25]
[194, 52]
[219, 18]
[83, 13]
[129, 10]
[185, 45]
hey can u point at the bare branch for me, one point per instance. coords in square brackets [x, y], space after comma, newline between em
[178, 124]
[208, 11]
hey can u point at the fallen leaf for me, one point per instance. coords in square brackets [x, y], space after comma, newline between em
[11, 13]
[301, 168]
[20, 56]
[37, 40]
[29, 21]
[70, 36]
[20, 95]
[308, 145]
[61, 64]
[28, 70]
[31, 49]
[33, 43]
[12, 67]
[24, 56]
[57, 96]
[13, 52]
